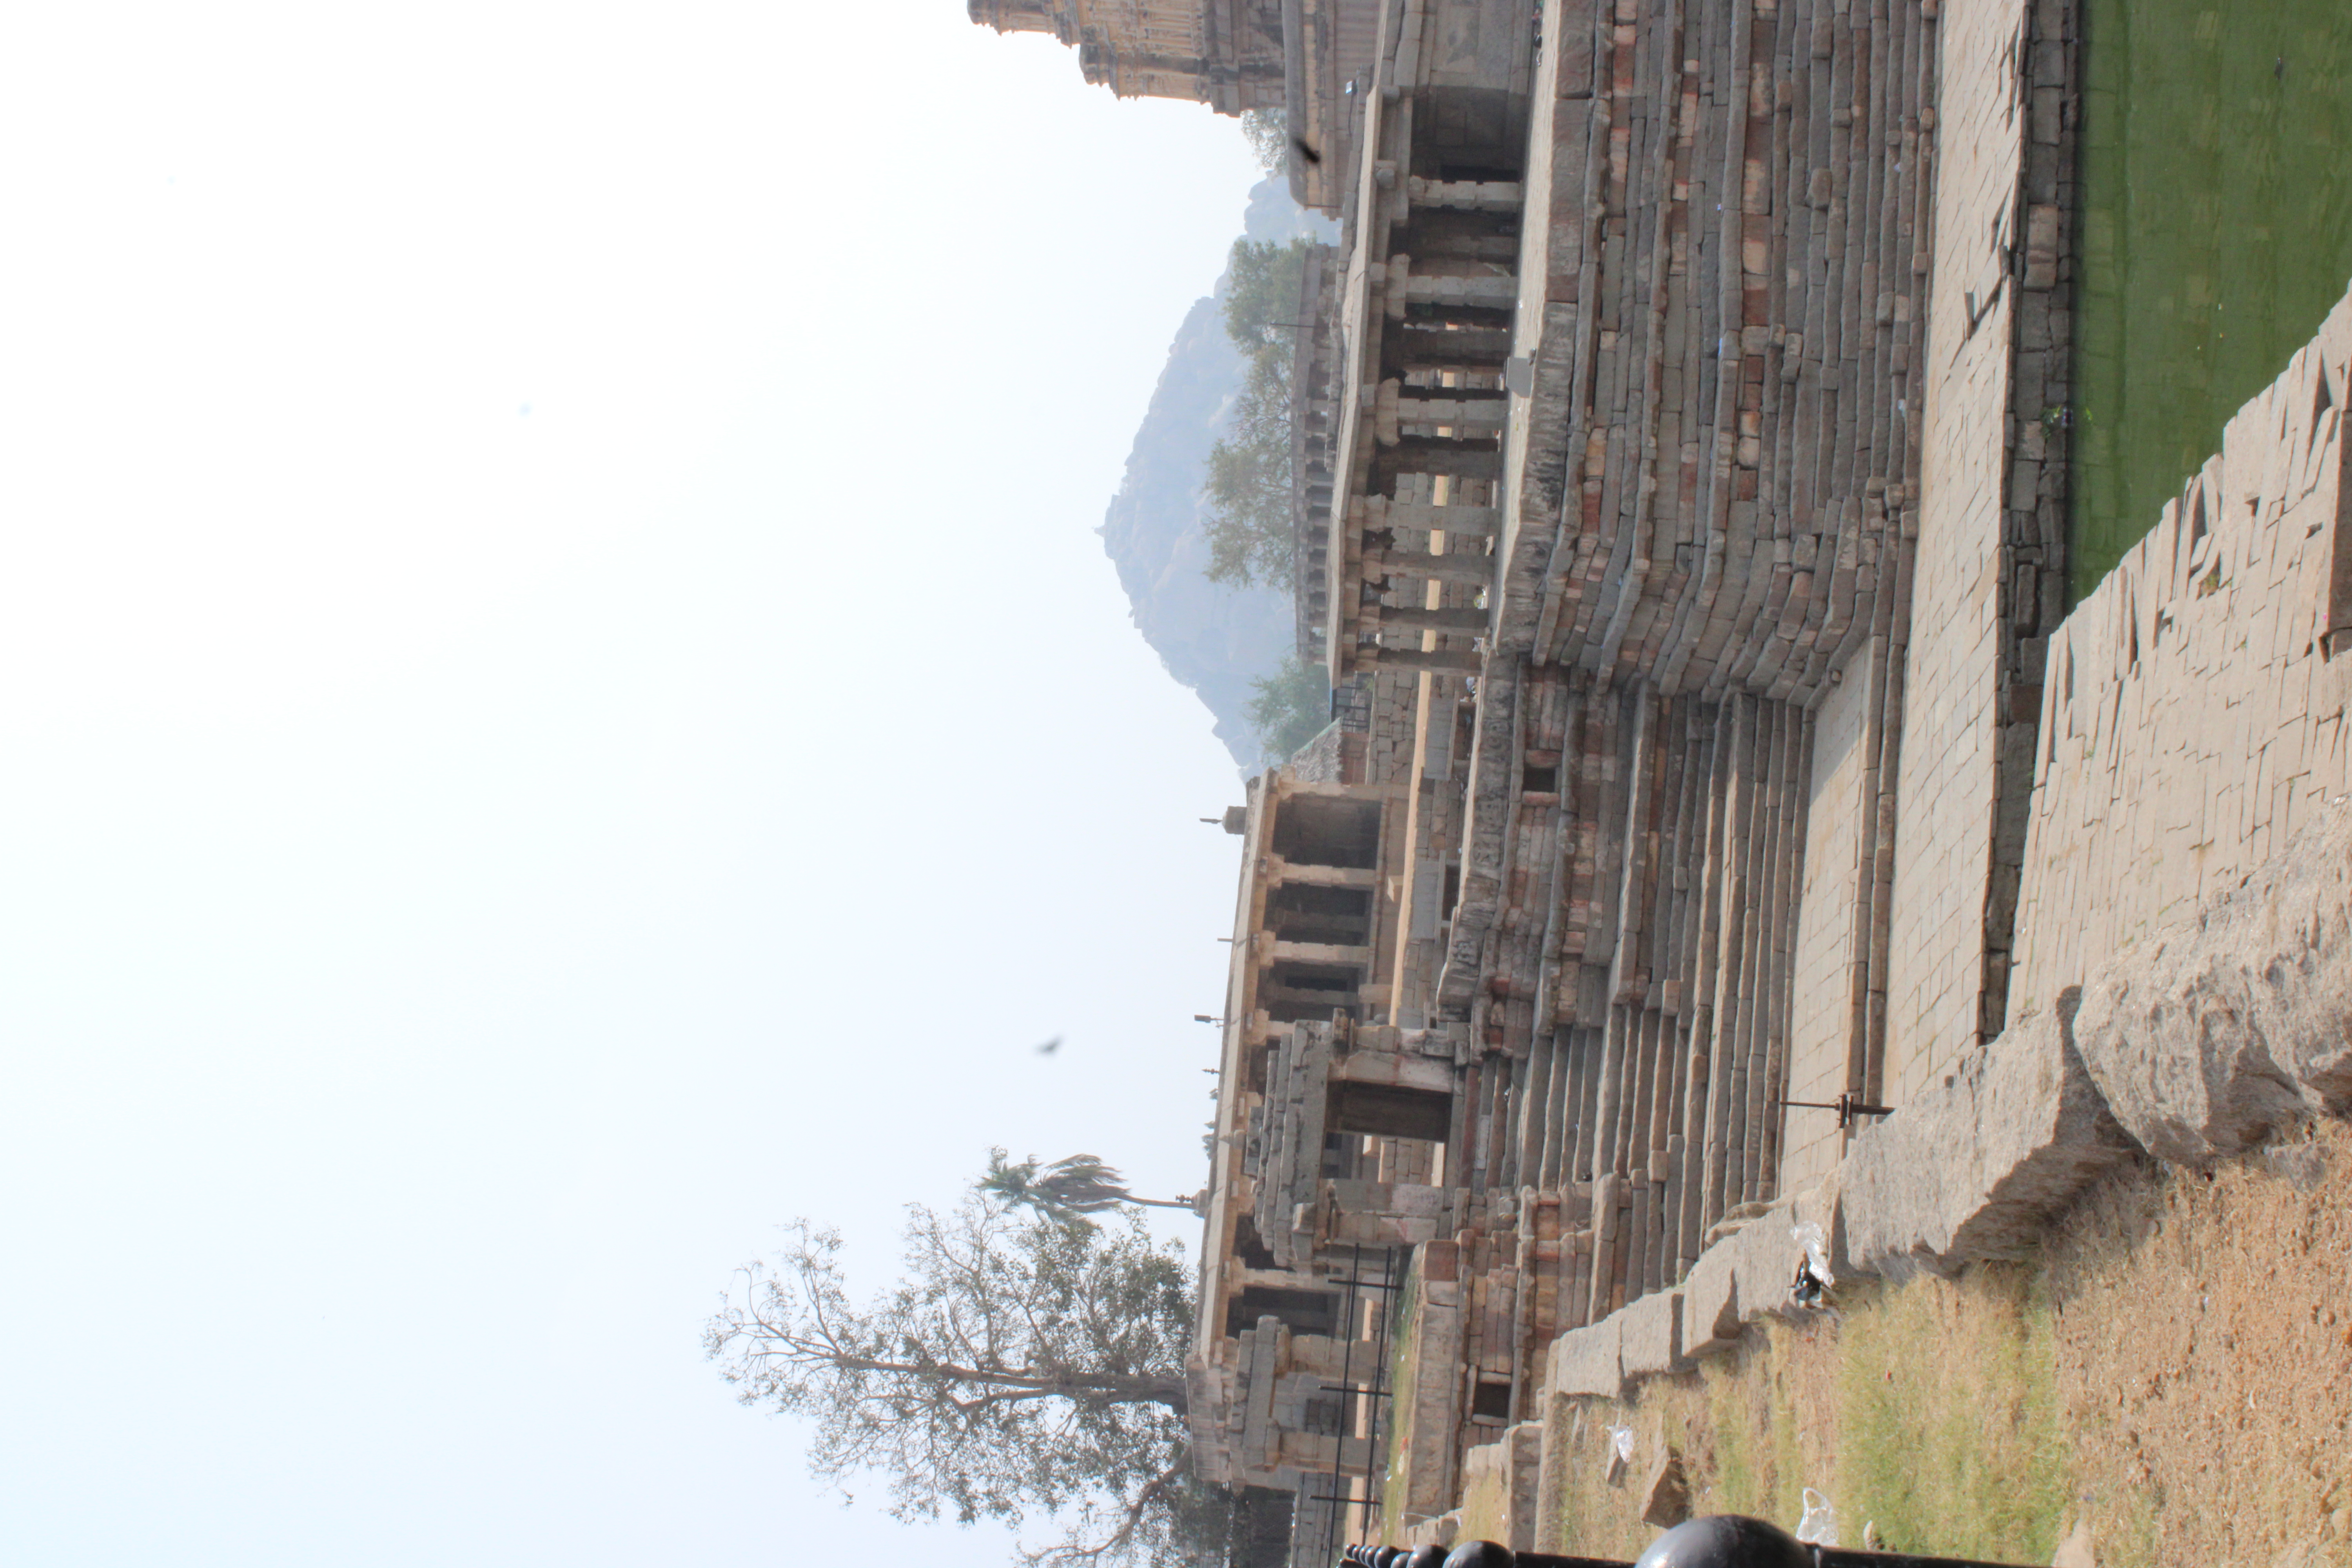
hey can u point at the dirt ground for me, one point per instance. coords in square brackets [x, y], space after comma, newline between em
[2176, 1370]
[2203, 1338]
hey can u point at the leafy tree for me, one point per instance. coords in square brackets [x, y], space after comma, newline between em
[1261, 300]
[1268, 132]
[1292, 707]
[1068, 1189]
[1248, 516]
[1022, 1367]
[1248, 483]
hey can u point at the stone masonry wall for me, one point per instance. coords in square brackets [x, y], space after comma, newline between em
[1951, 733]
[2193, 712]
[1831, 944]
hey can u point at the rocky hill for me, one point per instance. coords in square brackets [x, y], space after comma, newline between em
[1211, 638]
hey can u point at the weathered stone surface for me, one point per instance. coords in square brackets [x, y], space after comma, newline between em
[2211, 1033]
[1589, 1360]
[1666, 1501]
[1762, 1255]
[1525, 1442]
[1821, 1204]
[1710, 1304]
[1971, 1169]
[1650, 1338]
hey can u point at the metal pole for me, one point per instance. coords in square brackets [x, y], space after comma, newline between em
[1339, 1443]
[1847, 1105]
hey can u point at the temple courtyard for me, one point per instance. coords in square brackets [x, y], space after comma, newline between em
[1772, 979]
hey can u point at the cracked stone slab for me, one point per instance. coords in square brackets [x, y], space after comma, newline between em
[1589, 1360]
[1973, 1169]
[1651, 1334]
[2213, 1033]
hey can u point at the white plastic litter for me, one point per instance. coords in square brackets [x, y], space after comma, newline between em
[1819, 1527]
[1817, 1249]
[1620, 1454]
[1811, 1288]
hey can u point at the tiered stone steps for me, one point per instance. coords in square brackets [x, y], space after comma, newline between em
[1748, 267]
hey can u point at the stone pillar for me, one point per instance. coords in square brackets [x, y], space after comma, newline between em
[1476, 459]
[1406, 618]
[1279, 870]
[1281, 952]
[1444, 661]
[1446, 568]
[1457, 407]
[1426, 346]
[1471, 521]
[1498, 196]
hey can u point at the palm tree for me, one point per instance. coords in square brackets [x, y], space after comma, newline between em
[1067, 1190]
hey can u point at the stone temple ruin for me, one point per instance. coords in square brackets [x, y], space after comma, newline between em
[1679, 513]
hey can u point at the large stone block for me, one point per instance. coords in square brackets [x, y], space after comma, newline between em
[2210, 1035]
[1650, 1338]
[1589, 1360]
[1763, 1256]
[1710, 1304]
[1974, 1167]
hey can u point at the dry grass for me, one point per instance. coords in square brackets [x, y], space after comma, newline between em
[1929, 1413]
[2204, 1337]
[1485, 1509]
[2179, 1369]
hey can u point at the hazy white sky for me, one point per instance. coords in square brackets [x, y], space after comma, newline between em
[560, 706]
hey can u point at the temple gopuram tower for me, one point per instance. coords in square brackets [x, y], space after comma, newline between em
[1226, 54]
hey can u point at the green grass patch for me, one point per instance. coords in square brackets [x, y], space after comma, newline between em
[1948, 1427]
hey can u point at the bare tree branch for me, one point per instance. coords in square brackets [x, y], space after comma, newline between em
[1021, 1368]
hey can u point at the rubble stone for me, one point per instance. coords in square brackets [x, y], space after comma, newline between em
[1665, 1501]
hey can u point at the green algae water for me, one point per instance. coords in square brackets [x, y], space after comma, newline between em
[2215, 234]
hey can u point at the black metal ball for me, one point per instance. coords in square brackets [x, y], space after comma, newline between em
[1429, 1556]
[1726, 1541]
[1479, 1555]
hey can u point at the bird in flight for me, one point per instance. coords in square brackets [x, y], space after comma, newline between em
[1050, 1047]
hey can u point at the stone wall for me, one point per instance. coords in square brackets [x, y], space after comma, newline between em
[1832, 932]
[1951, 733]
[2193, 709]
[1716, 302]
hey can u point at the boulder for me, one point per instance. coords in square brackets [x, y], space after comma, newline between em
[1666, 1501]
[1973, 1169]
[2213, 1033]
